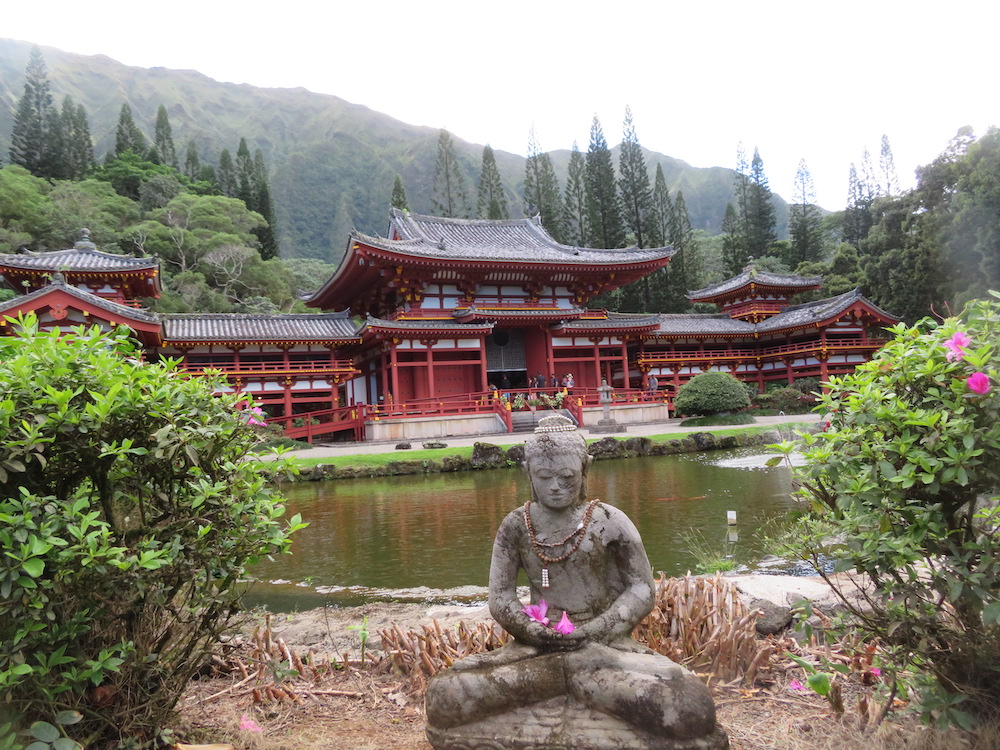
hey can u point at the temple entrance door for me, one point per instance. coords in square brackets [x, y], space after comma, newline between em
[505, 359]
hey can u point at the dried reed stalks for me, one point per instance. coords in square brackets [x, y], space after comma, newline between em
[701, 623]
[421, 655]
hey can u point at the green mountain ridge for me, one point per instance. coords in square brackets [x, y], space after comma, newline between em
[332, 163]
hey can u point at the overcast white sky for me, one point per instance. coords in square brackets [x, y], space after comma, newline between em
[797, 79]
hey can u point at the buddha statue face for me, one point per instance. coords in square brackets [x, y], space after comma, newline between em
[557, 461]
[558, 479]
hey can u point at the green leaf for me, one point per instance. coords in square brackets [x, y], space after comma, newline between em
[68, 718]
[820, 682]
[33, 566]
[44, 732]
[65, 743]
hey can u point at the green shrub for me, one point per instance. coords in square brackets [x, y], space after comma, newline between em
[128, 514]
[906, 480]
[711, 393]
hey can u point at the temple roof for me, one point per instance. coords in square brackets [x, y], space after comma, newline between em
[823, 309]
[752, 275]
[82, 257]
[523, 240]
[93, 300]
[614, 321]
[427, 325]
[797, 316]
[217, 327]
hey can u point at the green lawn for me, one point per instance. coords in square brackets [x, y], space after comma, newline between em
[381, 459]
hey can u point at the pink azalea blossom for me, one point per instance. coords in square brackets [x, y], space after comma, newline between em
[537, 611]
[875, 671]
[256, 417]
[795, 685]
[249, 725]
[978, 382]
[564, 626]
[956, 346]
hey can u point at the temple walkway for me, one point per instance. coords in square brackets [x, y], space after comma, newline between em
[333, 450]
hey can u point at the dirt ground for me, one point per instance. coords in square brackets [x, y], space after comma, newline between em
[368, 706]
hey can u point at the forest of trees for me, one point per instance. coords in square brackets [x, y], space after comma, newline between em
[210, 220]
[210, 224]
[916, 253]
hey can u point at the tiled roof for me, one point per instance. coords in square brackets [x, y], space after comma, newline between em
[501, 312]
[522, 240]
[427, 325]
[810, 312]
[242, 327]
[613, 321]
[709, 324]
[752, 275]
[123, 311]
[797, 316]
[84, 256]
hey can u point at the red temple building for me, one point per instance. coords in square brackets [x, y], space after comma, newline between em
[421, 325]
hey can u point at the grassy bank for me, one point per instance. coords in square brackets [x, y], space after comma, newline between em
[459, 455]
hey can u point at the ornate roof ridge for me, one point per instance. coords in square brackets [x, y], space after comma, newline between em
[93, 299]
[750, 275]
[341, 315]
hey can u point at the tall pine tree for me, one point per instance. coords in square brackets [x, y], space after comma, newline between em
[661, 210]
[78, 150]
[604, 211]
[742, 190]
[192, 163]
[226, 174]
[734, 254]
[128, 137]
[633, 183]
[888, 182]
[32, 143]
[684, 271]
[260, 202]
[804, 223]
[163, 139]
[761, 227]
[542, 194]
[244, 174]
[398, 199]
[492, 203]
[450, 198]
[575, 203]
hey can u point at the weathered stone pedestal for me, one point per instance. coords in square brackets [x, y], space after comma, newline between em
[562, 724]
[605, 426]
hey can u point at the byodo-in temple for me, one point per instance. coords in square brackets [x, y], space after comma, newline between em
[437, 328]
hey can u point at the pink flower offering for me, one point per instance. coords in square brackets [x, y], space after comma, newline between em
[978, 382]
[956, 346]
[795, 685]
[564, 626]
[537, 611]
[249, 725]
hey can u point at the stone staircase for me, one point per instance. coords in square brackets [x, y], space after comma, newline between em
[526, 421]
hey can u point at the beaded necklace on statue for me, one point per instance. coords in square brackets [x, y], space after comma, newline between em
[579, 532]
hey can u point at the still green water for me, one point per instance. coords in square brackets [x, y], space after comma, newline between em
[423, 537]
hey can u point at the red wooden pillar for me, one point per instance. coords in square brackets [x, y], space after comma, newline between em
[597, 361]
[626, 383]
[431, 390]
[393, 374]
[484, 384]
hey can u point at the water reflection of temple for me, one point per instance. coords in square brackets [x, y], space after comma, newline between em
[421, 323]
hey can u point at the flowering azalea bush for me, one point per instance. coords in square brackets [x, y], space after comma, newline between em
[903, 487]
[129, 512]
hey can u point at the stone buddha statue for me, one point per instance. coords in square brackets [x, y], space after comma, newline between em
[572, 677]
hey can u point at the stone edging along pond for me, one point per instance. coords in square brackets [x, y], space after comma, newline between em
[489, 456]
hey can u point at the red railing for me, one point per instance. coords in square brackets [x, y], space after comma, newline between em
[771, 352]
[326, 422]
[295, 367]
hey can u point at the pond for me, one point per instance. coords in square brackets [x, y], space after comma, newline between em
[428, 537]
